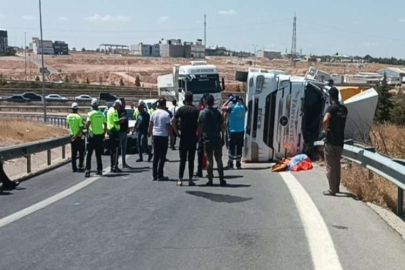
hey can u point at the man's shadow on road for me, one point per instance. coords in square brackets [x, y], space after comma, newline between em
[219, 198]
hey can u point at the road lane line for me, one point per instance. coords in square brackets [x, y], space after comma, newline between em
[42, 204]
[324, 255]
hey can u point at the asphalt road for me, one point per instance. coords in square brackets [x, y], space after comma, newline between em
[260, 221]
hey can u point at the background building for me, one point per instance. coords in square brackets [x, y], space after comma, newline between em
[3, 40]
[269, 54]
[394, 73]
[47, 49]
[61, 47]
[173, 48]
[146, 50]
[194, 50]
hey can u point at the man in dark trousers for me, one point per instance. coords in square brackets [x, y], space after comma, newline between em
[142, 125]
[113, 126]
[173, 111]
[334, 124]
[211, 125]
[124, 128]
[7, 183]
[96, 129]
[160, 129]
[235, 110]
[76, 125]
[188, 116]
[200, 145]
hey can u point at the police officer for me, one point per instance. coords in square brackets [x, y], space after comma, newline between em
[96, 127]
[113, 127]
[75, 123]
[235, 109]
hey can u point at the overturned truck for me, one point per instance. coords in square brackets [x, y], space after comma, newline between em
[285, 113]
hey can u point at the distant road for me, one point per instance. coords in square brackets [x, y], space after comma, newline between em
[38, 63]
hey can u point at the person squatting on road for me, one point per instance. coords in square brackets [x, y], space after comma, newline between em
[96, 130]
[211, 126]
[188, 117]
[7, 183]
[113, 126]
[124, 128]
[160, 129]
[235, 111]
[142, 125]
[334, 124]
[76, 125]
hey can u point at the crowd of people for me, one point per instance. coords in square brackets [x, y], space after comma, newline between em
[202, 130]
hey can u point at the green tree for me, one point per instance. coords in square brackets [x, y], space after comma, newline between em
[398, 113]
[385, 105]
[37, 79]
[137, 81]
[122, 82]
[87, 81]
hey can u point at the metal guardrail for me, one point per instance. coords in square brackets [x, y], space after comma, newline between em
[391, 169]
[26, 150]
[59, 121]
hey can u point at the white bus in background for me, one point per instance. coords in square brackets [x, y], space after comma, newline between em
[199, 78]
[285, 114]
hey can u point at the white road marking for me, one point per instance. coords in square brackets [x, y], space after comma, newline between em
[323, 251]
[42, 204]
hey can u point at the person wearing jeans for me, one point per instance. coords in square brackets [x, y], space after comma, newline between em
[142, 124]
[188, 116]
[160, 129]
[334, 124]
[113, 126]
[211, 126]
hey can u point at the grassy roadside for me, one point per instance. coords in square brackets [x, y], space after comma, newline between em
[388, 140]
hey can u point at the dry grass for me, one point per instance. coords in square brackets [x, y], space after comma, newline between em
[369, 187]
[17, 131]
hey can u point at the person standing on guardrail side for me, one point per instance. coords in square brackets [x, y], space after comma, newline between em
[76, 125]
[141, 127]
[113, 126]
[124, 128]
[334, 124]
[96, 129]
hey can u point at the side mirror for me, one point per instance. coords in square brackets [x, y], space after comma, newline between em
[223, 84]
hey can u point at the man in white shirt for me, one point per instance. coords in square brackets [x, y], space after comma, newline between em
[160, 129]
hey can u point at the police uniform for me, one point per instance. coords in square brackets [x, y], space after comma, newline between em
[75, 122]
[96, 121]
[114, 133]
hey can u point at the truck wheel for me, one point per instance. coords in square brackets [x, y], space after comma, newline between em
[241, 76]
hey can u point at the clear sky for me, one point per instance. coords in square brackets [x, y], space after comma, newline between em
[352, 27]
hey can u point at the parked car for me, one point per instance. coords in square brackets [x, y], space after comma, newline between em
[17, 98]
[32, 96]
[108, 97]
[56, 98]
[83, 98]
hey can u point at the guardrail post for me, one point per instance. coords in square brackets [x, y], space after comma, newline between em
[28, 163]
[400, 206]
[49, 157]
[63, 151]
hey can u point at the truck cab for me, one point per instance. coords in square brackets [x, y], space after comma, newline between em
[198, 78]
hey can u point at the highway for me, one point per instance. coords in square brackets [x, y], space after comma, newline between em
[262, 220]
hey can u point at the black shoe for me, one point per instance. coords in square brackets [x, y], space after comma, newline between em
[154, 179]
[99, 173]
[209, 184]
[191, 183]
[140, 160]
[166, 160]
[229, 167]
[200, 175]
[10, 185]
[223, 183]
[329, 193]
[163, 178]
[75, 170]
[82, 170]
[87, 174]
[238, 165]
[116, 170]
[150, 157]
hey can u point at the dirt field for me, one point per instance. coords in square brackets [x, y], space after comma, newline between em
[109, 69]
[18, 131]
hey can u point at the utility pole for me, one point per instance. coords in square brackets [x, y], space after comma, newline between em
[42, 57]
[205, 30]
[294, 38]
[255, 50]
[25, 58]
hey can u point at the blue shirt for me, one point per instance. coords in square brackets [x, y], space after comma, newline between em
[236, 117]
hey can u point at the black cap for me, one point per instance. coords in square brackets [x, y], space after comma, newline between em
[334, 93]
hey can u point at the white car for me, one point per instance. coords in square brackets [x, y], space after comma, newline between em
[56, 98]
[83, 98]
